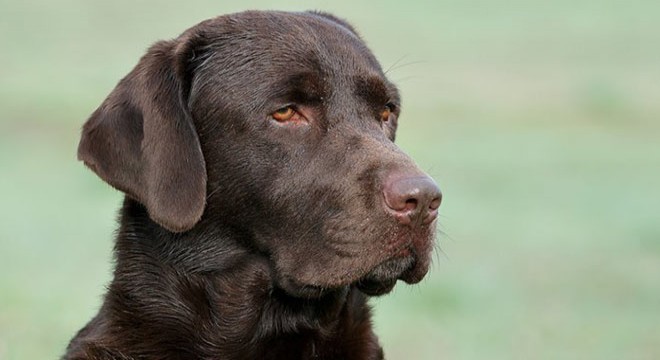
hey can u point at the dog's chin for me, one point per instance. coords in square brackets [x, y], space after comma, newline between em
[408, 266]
[382, 279]
[378, 281]
[376, 288]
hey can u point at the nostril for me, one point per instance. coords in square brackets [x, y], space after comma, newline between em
[411, 204]
[435, 203]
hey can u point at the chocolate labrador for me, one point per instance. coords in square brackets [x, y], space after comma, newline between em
[265, 198]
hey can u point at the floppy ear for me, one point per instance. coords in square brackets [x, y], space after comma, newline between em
[142, 140]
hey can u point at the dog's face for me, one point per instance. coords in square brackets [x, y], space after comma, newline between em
[280, 126]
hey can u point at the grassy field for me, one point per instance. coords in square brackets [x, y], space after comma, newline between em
[540, 120]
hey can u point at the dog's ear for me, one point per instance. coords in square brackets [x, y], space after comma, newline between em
[142, 140]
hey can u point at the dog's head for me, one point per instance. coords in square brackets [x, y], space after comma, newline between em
[279, 125]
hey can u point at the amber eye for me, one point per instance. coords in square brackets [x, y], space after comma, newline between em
[284, 114]
[387, 111]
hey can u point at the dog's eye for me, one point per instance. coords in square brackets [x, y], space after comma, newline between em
[387, 112]
[284, 114]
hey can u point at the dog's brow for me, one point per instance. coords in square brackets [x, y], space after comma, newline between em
[303, 87]
[372, 89]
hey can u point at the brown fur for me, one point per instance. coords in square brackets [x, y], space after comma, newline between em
[242, 237]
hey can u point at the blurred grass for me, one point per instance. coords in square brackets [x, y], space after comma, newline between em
[540, 121]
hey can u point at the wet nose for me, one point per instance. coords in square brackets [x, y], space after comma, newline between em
[412, 200]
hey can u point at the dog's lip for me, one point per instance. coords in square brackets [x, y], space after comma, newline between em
[383, 277]
[406, 257]
[412, 270]
[376, 288]
[415, 273]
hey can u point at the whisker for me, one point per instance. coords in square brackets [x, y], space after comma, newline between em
[393, 66]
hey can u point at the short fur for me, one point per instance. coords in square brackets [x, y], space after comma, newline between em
[242, 237]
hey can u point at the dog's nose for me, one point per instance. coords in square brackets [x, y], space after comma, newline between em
[412, 200]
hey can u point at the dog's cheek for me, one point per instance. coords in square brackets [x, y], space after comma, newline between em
[331, 248]
[241, 171]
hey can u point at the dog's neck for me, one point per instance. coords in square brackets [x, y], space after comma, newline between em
[221, 300]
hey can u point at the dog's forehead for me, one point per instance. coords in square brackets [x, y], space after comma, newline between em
[255, 59]
[308, 41]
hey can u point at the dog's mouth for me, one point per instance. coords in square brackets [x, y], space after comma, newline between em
[379, 281]
[409, 262]
[382, 279]
[408, 259]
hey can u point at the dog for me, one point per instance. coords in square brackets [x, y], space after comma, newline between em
[265, 199]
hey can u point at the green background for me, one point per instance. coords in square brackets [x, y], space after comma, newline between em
[540, 120]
